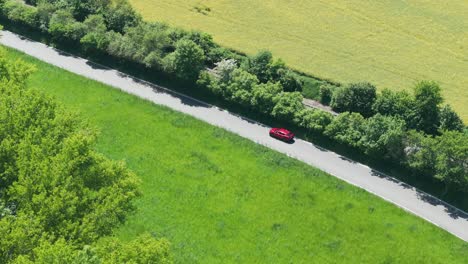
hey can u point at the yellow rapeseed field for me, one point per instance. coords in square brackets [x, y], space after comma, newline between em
[392, 44]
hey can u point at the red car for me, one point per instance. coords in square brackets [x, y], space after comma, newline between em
[281, 133]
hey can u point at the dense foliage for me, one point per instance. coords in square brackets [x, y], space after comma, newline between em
[380, 125]
[58, 196]
[355, 97]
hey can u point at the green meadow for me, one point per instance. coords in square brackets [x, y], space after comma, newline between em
[390, 43]
[220, 198]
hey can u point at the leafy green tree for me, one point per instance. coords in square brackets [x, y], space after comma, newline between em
[52, 253]
[287, 105]
[73, 191]
[450, 120]
[15, 72]
[313, 119]
[444, 157]
[63, 26]
[259, 65]
[83, 8]
[145, 43]
[18, 12]
[188, 59]
[144, 249]
[420, 152]
[96, 37]
[240, 87]
[154, 44]
[206, 43]
[289, 81]
[355, 97]
[275, 69]
[263, 96]
[394, 103]
[120, 15]
[383, 137]
[54, 186]
[452, 160]
[205, 80]
[45, 10]
[347, 128]
[425, 113]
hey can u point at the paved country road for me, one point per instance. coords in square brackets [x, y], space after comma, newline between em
[419, 203]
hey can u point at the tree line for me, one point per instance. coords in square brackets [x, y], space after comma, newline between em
[60, 200]
[411, 130]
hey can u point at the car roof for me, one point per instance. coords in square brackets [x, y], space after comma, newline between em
[284, 130]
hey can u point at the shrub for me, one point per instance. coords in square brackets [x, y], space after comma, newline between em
[145, 43]
[64, 27]
[449, 120]
[443, 157]
[390, 103]
[18, 12]
[452, 160]
[45, 10]
[263, 96]
[383, 137]
[120, 15]
[289, 81]
[326, 93]
[96, 34]
[144, 249]
[206, 43]
[188, 60]
[420, 154]
[287, 105]
[239, 89]
[204, 80]
[313, 119]
[220, 53]
[259, 65]
[347, 128]
[355, 97]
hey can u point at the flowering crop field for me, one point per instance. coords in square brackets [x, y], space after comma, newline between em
[392, 44]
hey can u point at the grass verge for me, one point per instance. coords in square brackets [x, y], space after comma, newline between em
[222, 198]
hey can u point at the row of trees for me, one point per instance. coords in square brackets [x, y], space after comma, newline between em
[114, 28]
[59, 197]
[391, 126]
[377, 123]
[422, 111]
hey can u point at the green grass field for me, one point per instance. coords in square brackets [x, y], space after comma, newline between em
[223, 199]
[390, 43]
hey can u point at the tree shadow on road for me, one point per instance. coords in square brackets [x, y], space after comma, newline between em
[452, 211]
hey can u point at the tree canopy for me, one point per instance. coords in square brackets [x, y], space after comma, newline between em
[355, 97]
[57, 194]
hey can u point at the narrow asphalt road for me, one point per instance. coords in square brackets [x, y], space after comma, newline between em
[419, 203]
